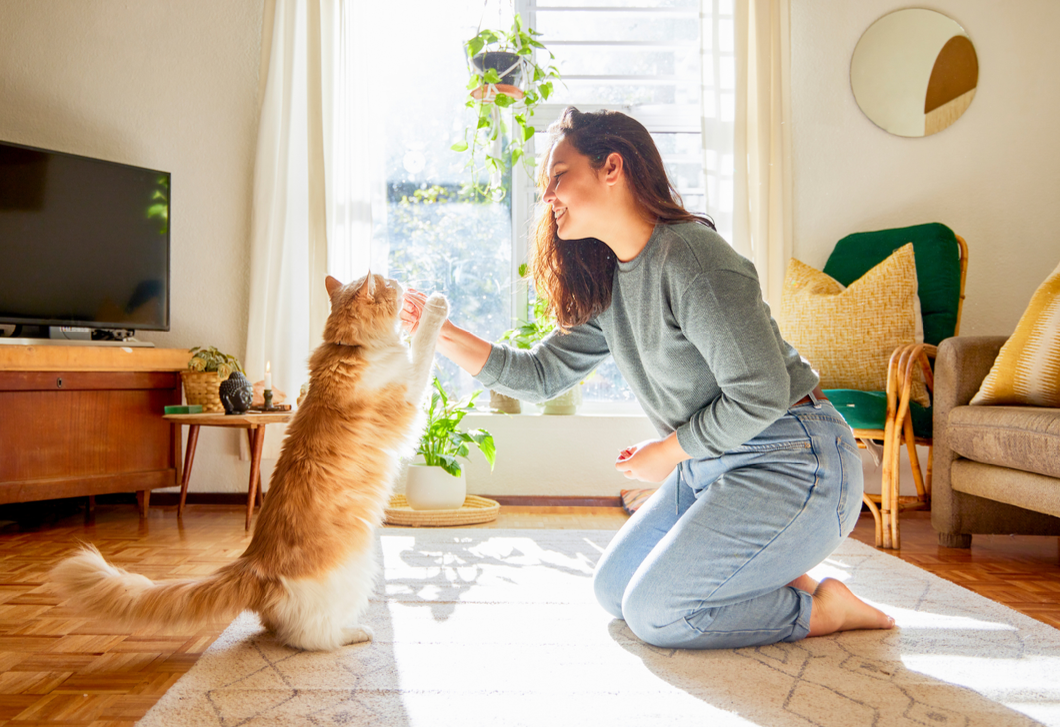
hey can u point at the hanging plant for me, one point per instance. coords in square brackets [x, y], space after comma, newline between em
[506, 86]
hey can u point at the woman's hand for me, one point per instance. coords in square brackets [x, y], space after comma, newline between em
[652, 460]
[412, 309]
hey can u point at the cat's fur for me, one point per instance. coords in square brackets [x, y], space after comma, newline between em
[310, 566]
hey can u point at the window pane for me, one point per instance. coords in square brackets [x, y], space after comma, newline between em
[624, 92]
[580, 60]
[641, 57]
[667, 29]
[692, 5]
[435, 239]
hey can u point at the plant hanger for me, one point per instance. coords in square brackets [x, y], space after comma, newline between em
[505, 86]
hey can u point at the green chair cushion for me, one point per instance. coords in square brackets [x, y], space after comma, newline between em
[868, 410]
[937, 264]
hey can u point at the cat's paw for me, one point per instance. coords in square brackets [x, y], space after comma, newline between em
[437, 304]
[356, 635]
[435, 311]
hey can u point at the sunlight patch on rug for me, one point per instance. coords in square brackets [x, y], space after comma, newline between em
[501, 628]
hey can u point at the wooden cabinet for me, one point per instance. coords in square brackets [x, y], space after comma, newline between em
[87, 420]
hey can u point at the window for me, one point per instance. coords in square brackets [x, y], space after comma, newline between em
[642, 57]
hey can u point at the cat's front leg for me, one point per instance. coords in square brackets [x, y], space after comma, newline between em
[435, 311]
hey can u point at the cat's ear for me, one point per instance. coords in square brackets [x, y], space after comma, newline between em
[367, 288]
[332, 285]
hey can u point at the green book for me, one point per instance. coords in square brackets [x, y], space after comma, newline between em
[182, 409]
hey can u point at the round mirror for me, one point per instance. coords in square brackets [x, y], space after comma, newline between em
[914, 72]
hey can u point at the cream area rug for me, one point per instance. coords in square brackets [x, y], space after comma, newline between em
[500, 628]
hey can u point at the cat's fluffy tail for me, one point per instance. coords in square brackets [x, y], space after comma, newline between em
[100, 588]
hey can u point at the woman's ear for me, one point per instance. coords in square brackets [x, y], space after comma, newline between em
[614, 167]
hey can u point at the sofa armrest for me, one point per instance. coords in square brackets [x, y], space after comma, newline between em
[960, 367]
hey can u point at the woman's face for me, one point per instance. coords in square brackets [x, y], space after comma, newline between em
[576, 193]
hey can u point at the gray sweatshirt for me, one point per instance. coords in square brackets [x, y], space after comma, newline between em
[690, 333]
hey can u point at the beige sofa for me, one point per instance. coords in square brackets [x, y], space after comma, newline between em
[996, 468]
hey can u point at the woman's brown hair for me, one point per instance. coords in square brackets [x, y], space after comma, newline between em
[575, 275]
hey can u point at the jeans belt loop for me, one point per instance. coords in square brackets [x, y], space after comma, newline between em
[815, 400]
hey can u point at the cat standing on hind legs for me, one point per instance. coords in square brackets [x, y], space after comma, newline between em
[310, 567]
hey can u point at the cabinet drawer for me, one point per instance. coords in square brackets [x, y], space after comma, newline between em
[81, 424]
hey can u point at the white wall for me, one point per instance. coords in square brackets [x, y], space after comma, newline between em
[164, 84]
[994, 176]
[554, 456]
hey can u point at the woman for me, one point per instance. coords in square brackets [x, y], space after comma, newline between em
[761, 477]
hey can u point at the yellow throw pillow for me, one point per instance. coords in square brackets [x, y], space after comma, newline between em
[849, 334]
[1027, 370]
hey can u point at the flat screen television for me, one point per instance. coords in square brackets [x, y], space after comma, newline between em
[84, 243]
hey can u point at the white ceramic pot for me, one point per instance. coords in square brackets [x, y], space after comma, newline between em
[566, 403]
[504, 404]
[432, 488]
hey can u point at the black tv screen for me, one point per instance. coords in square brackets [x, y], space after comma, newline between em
[83, 242]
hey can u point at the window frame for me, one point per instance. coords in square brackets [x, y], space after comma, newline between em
[657, 120]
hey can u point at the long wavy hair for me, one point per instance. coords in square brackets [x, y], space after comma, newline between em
[576, 275]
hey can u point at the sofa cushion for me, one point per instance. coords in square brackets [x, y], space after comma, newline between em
[1001, 484]
[1019, 437]
[1027, 371]
[849, 334]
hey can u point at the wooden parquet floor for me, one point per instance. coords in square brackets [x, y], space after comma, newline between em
[58, 667]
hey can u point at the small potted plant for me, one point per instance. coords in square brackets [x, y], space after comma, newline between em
[506, 86]
[207, 368]
[539, 323]
[438, 483]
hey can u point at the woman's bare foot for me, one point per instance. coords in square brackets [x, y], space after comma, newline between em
[835, 608]
[804, 583]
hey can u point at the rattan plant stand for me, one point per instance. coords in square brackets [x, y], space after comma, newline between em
[474, 511]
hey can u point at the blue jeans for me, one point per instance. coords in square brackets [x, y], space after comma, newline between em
[704, 563]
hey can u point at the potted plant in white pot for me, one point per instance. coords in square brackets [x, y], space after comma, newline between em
[437, 482]
[537, 325]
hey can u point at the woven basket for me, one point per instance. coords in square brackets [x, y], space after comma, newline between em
[475, 510]
[201, 387]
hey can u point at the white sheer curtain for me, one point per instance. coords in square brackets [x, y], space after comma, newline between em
[307, 218]
[352, 141]
[717, 60]
[762, 220]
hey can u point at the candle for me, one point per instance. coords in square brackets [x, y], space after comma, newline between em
[268, 375]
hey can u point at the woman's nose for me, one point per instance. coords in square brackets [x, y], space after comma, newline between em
[550, 194]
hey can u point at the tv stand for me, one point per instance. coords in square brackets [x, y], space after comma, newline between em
[87, 420]
[130, 342]
[30, 335]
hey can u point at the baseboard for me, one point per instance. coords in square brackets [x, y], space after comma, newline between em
[555, 501]
[165, 499]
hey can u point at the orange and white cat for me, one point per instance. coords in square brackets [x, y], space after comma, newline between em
[310, 566]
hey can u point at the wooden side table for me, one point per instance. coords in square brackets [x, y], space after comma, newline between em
[253, 422]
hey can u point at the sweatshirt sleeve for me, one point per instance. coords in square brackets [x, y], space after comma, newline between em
[554, 365]
[721, 313]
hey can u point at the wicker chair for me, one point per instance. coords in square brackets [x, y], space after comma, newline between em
[889, 416]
